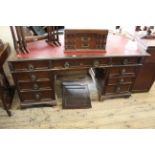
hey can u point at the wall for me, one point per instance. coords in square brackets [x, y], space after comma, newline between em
[5, 35]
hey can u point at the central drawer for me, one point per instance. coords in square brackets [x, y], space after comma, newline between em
[70, 63]
[32, 76]
[37, 96]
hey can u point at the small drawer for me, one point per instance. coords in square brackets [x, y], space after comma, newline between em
[36, 96]
[125, 61]
[120, 71]
[116, 89]
[32, 76]
[30, 65]
[35, 85]
[121, 80]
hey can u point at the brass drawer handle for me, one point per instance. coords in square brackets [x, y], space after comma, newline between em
[125, 61]
[66, 65]
[30, 67]
[118, 89]
[86, 38]
[121, 80]
[123, 71]
[38, 97]
[35, 86]
[85, 45]
[33, 77]
[96, 63]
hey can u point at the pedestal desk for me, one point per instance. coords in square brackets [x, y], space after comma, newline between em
[114, 71]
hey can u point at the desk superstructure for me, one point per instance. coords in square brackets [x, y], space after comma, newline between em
[114, 70]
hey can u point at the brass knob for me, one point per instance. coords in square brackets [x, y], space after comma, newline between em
[118, 89]
[33, 77]
[121, 80]
[123, 71]
[66, 65]
[38, 97]
[30, 67]
[35, 86]
[125, 61]
[96, 63]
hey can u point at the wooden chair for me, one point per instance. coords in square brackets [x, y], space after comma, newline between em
[6, 91]
[20, 40]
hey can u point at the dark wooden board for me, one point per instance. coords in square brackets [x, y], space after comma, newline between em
[75, 96]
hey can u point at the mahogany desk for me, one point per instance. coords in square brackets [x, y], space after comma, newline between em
[6, 92]
[114, 70]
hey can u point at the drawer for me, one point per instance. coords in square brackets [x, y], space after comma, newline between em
[120, 80]
[30, 65]
[69, 63]
[32, 76]
[126, 61]
[116, 89]
[35, 85]
[37, 96]
[122, 71]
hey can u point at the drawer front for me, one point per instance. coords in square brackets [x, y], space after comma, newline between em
[122, 71]
[32, 76]
[35, 85]
[114, 89]
[37, 96]
[125, 61]
[69, 63]
[121, 80]
[30, 65]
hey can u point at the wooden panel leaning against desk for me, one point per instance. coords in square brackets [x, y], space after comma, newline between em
[115, 69]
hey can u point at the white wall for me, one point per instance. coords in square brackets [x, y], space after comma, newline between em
[5, 35]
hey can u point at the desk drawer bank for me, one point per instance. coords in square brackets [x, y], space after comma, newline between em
[35, 79]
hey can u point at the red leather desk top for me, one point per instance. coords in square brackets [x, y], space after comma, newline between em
[117, 46]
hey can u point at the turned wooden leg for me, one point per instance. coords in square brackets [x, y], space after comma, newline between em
[3, 98]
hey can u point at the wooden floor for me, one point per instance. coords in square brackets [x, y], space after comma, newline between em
[138, 111]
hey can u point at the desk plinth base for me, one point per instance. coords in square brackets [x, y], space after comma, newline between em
[37, 104]
[123, 95]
